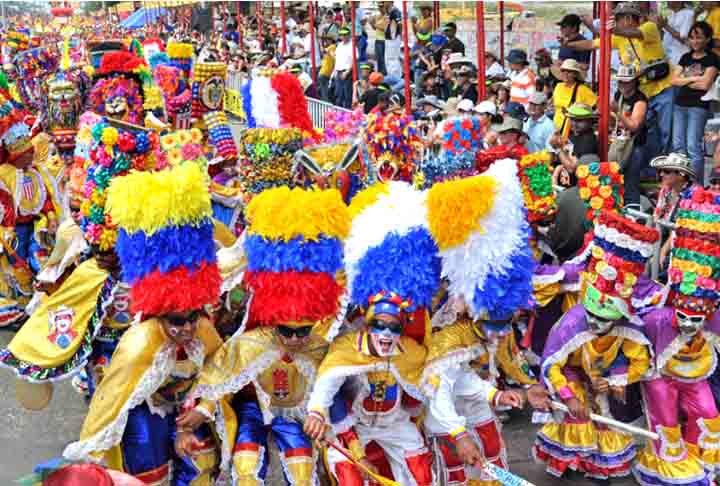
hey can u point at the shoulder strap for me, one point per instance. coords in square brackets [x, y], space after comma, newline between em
[572, 101]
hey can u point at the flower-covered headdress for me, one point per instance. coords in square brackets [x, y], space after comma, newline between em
[618, 253]
[294, 249]
[695, 259]
[165, 239]
[266, 157]
[119, 90]
[115, 151]
[601, 188]
[536, 179]
[392, 140]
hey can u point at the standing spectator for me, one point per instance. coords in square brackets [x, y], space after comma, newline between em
[425, 23]
[538, 127]
[629, 107]
[379, 23]
[570, 32]
[713, 18]
[312, 51]
[522, 79]
[677, 27]
[694, 75]
[454, 44]
[342, 74]
[361, 34]
[371, 97]
[362, 84]
[327, 65]
[466, 85]
[493, 69]
[393, 41]
[640, 44]
[571, 90]
[328, 26]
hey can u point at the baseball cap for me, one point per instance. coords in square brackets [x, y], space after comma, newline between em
[486, 107]
[538, 98]
[450, 26]
[465, 105]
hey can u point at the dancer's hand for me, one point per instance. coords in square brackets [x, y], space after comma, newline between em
[191, 420]
[600, 385]
[539, 398]
[577, 409]
[468, 451]
[186, 443]
[510, 398]
[314, 427]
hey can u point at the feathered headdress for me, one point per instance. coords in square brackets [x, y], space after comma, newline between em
[695, 259]
[460, 145]
[392, 142]
[294, 250]
[165, 240]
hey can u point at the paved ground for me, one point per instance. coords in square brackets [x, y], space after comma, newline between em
[29, 438]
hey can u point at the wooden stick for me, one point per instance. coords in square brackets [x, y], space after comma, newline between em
[616, 424]
[375, 476]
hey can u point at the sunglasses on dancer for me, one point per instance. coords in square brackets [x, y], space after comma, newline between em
[299, 332]
[376, 325]
[180, 321]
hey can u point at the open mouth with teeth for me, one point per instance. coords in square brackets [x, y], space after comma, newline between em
[385, 344]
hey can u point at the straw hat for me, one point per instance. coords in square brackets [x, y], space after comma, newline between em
[674, 161]
[573, 65]
[626, 72]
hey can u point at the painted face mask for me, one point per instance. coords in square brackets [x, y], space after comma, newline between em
[598, 325]
[384, 336]
[689, 323]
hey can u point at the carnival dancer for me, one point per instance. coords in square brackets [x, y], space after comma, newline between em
[392, 141]
[461, 419]
[294, 251]
[679, 402]
[595, 352]
[132, 418]
[511, 146]
[393, 272]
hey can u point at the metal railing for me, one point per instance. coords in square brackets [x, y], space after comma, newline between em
[318, 108]
[233, 99]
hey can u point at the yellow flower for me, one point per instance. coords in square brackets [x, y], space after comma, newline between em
[596, 202]
[614, 168]
[605, 192]
[582, 172]
[174, 156]
[109, 136]
[630, 279]
[85, 207]
[593, 182]
[585, 193]
[184, 137]
[196, 135]
[168, 141]
[598, 252]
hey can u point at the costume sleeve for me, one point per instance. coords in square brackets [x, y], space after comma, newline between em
[323, 394]
[557, 379]
[650, 33]
[512, 362]
[639, 358]
[442, 402]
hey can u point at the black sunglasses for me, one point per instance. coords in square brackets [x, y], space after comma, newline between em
[180, 321]
[299, 332]
[663, 172]
[395, 327]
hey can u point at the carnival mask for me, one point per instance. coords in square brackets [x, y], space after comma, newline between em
[598, 325]
[387, 169]
[213, 93]
[63, 94]
[601, 305]
[688, 322]
[384, 336]
[116, 107]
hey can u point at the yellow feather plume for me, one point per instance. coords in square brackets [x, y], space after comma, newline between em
[150, 201]
[367, 197]
[455, 208]
[283, 214]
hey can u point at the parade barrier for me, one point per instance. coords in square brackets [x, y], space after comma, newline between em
[318, 108]
[233, 100]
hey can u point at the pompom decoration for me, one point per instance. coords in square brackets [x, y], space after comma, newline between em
[536, 179]
[601, 187]
[294, 251]
[165, 242]
[106, 90]
[220, 135]
[266, 158]
[342, 126]
[618, 253]
[694, 272]
[114, 152]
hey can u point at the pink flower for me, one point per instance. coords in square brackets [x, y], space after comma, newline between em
[191, 151]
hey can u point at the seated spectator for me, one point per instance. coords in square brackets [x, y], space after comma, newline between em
[499, 94]
[629, 107]
[487, 114]
[371, 97]
[454, 44]
[362, 84]
[543, 63]
[429, 107]
[538, 127]
[421, 60]
[522, 79]
[570, 91]
[714, 180]
[694, 76]
[515, 110]
[433, 84]
[465, 86]
[493, 68]
[465, 107]
[582, 140]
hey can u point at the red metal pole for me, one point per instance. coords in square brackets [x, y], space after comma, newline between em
[258, 14]
[480, 16]
[501, 8]
[436, 14]
[354, 41]
[406, 52]
[311, 15]
[283, 35]
[604, 98]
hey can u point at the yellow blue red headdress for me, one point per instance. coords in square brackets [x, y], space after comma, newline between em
[165, 239]
[294, 249]
[122, 75]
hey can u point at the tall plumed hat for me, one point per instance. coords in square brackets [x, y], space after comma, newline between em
[165, 239]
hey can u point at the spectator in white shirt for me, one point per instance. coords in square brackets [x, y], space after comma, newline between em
[493, 68]
[676, 28]
[342, 73]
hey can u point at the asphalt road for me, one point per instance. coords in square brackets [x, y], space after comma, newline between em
[29, 438]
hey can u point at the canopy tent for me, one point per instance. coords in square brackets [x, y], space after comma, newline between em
[142, 17]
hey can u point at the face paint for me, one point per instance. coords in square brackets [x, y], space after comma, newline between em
[689, 323]
[384, 336]
[598, 325]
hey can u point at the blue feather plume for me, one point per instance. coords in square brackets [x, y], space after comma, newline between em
[324, 255]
